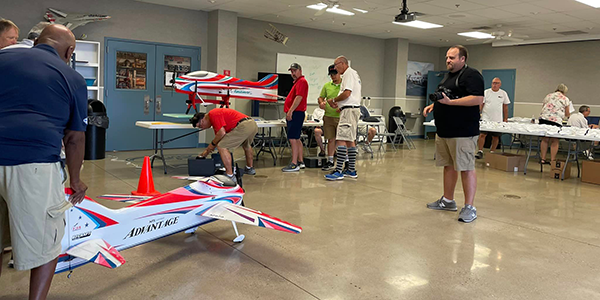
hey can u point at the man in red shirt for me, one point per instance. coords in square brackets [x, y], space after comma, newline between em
[295, 109]
[232, 129]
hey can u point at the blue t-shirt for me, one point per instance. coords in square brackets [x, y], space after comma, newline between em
[40, 97]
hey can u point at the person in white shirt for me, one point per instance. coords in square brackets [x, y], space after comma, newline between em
[317, 116]
[579, 120]
[494, 109]
[349, 102]
[25, 43]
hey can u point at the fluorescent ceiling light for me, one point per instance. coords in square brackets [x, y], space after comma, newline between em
[340, 11]
[360, 10]
[477, 35]
[419, 24]
[592, 3]
[333, 9]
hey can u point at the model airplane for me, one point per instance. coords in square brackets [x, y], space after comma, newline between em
[72, 20]
[94, 233]
[275, 35]
[202, 83]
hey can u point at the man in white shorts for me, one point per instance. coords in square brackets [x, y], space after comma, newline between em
[349, 103]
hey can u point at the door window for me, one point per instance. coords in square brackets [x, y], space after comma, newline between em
[174, 67]
[131, 70]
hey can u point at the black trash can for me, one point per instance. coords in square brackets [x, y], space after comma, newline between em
[95, 134]
[395, 111]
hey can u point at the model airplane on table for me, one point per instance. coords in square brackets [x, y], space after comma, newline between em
[72, 20]
[202, 83]
[94, 233]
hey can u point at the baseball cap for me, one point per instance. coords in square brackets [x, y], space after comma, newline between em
[295, 66]
[331, 70]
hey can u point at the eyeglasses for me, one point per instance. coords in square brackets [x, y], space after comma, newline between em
[337, 63]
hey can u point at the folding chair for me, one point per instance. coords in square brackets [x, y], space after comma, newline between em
[401, 129]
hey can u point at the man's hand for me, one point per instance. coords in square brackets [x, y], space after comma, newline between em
[445, 100]
[208, 150]
[79, 188]
[339, 110]
[427, 110]
[288, 116]
[322, 104]
[332, 103]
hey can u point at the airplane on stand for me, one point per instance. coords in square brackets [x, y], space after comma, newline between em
[203, 83]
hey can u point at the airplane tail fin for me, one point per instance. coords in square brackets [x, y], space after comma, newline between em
[99, 252]
[269, 82]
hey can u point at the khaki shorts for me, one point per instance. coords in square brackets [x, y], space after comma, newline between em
[33, 196]
[456, 152]
[243, 134]
[346, 130]
[330, 125]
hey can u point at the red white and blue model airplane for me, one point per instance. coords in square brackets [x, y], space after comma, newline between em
[202, 83]
[96, 234]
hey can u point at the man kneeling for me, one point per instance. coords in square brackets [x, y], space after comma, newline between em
[232, 129]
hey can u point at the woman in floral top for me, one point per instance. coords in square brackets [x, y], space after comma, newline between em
[555, 108]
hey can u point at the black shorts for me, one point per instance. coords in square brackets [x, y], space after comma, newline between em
[492, 133]
[294, 127]
[542, 121]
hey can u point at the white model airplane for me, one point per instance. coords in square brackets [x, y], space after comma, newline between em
[72, 20]
[94, 233]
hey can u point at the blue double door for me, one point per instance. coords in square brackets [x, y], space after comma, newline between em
[138, 88]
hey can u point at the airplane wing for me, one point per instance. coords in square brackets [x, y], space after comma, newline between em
[190, 178]
[99, 252]
[241, 214]
[125, 198]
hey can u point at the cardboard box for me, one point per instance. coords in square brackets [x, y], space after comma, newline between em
[506, 161]
[557, 168]
[590, 171]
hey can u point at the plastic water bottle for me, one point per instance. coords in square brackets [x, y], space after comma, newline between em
[532, 119]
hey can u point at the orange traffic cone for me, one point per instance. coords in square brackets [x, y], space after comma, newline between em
[146, 183]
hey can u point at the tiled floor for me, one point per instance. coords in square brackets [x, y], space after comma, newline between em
[370, 238]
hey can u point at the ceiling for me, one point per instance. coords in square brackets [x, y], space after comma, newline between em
[538, 19]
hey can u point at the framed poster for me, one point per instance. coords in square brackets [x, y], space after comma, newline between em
[416, 78]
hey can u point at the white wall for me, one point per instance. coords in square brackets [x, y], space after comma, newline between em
[540, 68]
[258, 54]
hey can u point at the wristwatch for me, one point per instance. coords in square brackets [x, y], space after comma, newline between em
[213, 143]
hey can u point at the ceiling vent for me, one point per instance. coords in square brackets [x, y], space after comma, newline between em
[573, 32]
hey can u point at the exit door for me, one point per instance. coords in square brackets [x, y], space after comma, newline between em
[138, 88]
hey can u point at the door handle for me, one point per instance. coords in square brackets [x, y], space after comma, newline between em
[147, 101]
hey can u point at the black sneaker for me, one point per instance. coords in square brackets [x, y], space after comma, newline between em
[479, 154]
[328, 165]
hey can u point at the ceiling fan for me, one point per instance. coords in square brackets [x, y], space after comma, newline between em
[505, 36]
[493, 36]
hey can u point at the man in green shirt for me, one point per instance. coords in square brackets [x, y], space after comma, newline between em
[332, 115]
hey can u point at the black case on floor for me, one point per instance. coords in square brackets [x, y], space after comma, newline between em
[314, 162]
[201, 167]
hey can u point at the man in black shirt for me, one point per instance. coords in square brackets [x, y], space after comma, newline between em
[457, 121]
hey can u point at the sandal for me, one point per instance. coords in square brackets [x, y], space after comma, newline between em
[544, 162]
